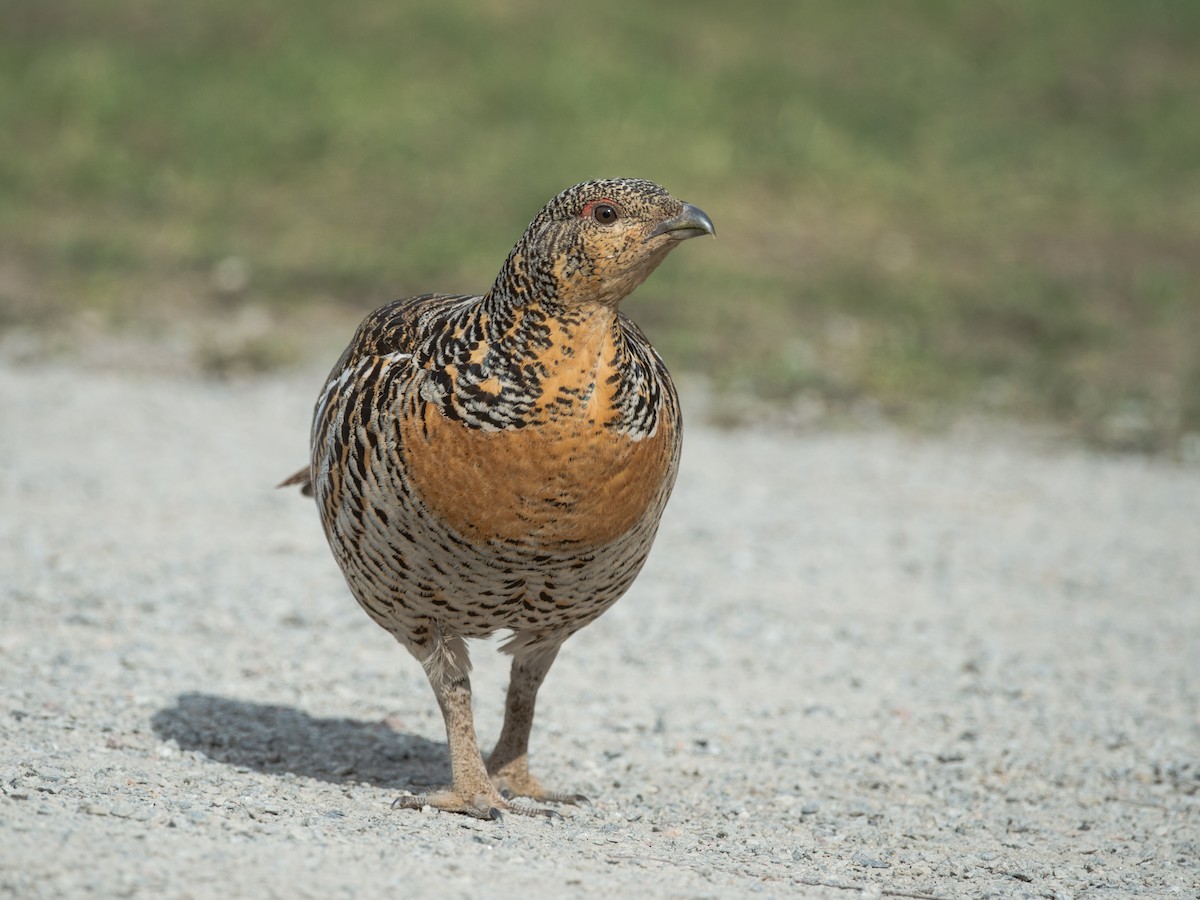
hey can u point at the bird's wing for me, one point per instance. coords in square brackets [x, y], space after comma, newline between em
[391, 334]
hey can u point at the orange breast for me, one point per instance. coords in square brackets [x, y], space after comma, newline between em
[566, 484]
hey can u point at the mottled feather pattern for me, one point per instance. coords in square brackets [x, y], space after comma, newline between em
[501, 461]
[417, 356]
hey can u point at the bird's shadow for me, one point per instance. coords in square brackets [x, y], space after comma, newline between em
[282, 739]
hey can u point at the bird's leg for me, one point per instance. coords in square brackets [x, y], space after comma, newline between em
[471, 790]
[508, 764]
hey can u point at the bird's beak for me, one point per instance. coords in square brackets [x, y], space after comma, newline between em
[691, 222]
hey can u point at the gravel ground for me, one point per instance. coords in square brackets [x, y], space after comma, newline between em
[856, 664]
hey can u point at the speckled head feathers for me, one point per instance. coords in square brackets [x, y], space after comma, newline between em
[595, 242]
[636, 196]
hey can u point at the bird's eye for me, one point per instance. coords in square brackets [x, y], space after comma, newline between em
[605, 213]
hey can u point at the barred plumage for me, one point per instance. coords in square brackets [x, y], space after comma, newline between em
[501, 461]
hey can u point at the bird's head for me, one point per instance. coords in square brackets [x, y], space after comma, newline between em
[597, 241]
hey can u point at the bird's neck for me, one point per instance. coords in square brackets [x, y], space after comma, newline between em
[570, 359]
[591, 331]
[530, 322]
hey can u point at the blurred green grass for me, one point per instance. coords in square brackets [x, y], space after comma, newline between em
[929, 207]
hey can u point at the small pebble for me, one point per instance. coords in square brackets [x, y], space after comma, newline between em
[859, 858]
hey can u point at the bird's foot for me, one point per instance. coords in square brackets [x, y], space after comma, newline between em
[512, 784]
[481, 805]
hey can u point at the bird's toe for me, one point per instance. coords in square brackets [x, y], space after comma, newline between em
[520, 784]
[479, 806]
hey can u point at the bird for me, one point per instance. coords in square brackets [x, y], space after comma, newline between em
[500, 462]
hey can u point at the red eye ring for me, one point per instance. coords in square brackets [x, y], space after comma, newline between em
[603, 211]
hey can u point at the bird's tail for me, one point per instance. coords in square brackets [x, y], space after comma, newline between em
[302, 478]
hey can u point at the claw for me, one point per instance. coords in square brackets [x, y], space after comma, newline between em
[481, 808]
